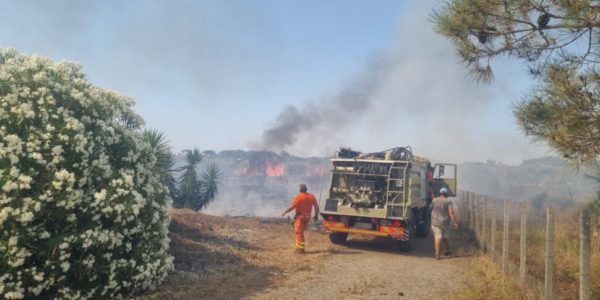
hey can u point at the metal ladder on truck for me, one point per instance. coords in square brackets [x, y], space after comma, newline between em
[396, 189]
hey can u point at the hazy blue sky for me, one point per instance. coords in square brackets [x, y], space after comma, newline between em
[216, 74]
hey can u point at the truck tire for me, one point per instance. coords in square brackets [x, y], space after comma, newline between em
[338, 237]
[407, 246]
[423, 230]
[423, 227]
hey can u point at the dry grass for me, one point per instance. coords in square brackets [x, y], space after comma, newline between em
[362, 284]
[232, 258]
[358, 286]
[491, 283]
[566, 250]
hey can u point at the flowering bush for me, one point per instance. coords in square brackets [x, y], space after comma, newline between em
[81, 213]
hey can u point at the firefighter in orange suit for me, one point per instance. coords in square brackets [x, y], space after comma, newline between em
[303, 204]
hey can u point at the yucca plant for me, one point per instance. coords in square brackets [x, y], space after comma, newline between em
[165, 160]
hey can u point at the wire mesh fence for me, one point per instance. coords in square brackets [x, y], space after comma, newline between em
[552, 251]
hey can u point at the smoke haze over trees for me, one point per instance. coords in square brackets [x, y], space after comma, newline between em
[550, 178]
[263, 183]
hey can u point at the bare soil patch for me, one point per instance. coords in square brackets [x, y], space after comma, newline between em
[233, 257]
[253, 258]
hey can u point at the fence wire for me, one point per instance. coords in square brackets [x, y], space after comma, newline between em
[496, 224]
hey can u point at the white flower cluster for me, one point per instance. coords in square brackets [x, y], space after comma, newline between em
[81, 213]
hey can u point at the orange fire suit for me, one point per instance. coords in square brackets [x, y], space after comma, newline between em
[303, 204]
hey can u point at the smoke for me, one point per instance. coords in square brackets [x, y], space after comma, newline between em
[191, 66]
[249, 188]
[336, 111]
[134, 44]
[415, 93]
[222, 56]
[233, 202]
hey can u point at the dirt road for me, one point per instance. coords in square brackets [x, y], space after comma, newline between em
[250, 258]
[367, 269]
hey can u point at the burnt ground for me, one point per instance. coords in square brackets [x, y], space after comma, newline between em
[234, 258]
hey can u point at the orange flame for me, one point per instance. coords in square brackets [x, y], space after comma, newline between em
[274, 169]
[270, 169]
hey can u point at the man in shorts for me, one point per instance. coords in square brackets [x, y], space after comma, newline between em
[442, 213]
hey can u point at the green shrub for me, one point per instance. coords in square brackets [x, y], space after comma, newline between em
[82, 215]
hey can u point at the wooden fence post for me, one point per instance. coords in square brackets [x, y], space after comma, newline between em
[462, 204]
[505, 236]
[475, 217]
[584, 256]
[483, 221]
[493, 238]
[523, 248]
[472, 212]
[478, 217]
[467, 209]
[549, 252]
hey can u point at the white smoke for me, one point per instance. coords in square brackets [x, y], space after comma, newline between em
[416, 93]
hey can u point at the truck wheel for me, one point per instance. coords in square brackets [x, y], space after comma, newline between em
[338, 237]
[406, 246]
[423, 230]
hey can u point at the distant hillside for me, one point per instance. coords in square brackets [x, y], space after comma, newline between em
[547, 177]
[262, 183]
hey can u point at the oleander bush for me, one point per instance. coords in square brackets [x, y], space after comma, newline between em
[82, 215]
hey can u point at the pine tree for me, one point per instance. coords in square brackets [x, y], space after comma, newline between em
[560, 41]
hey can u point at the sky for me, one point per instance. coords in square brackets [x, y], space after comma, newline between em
[304, 77]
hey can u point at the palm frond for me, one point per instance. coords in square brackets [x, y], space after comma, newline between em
[210, 181]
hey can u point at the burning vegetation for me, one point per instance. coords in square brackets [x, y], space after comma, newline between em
[262, 182]
[262, 164]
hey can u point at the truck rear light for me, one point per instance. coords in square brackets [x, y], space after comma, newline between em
[392, 223]
[331, 218]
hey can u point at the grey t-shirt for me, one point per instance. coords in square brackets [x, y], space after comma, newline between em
[439, 212]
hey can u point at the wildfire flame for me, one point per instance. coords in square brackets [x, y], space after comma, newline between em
[275, 169]
[270, 169]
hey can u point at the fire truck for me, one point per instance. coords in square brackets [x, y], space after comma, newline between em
[384, 194]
